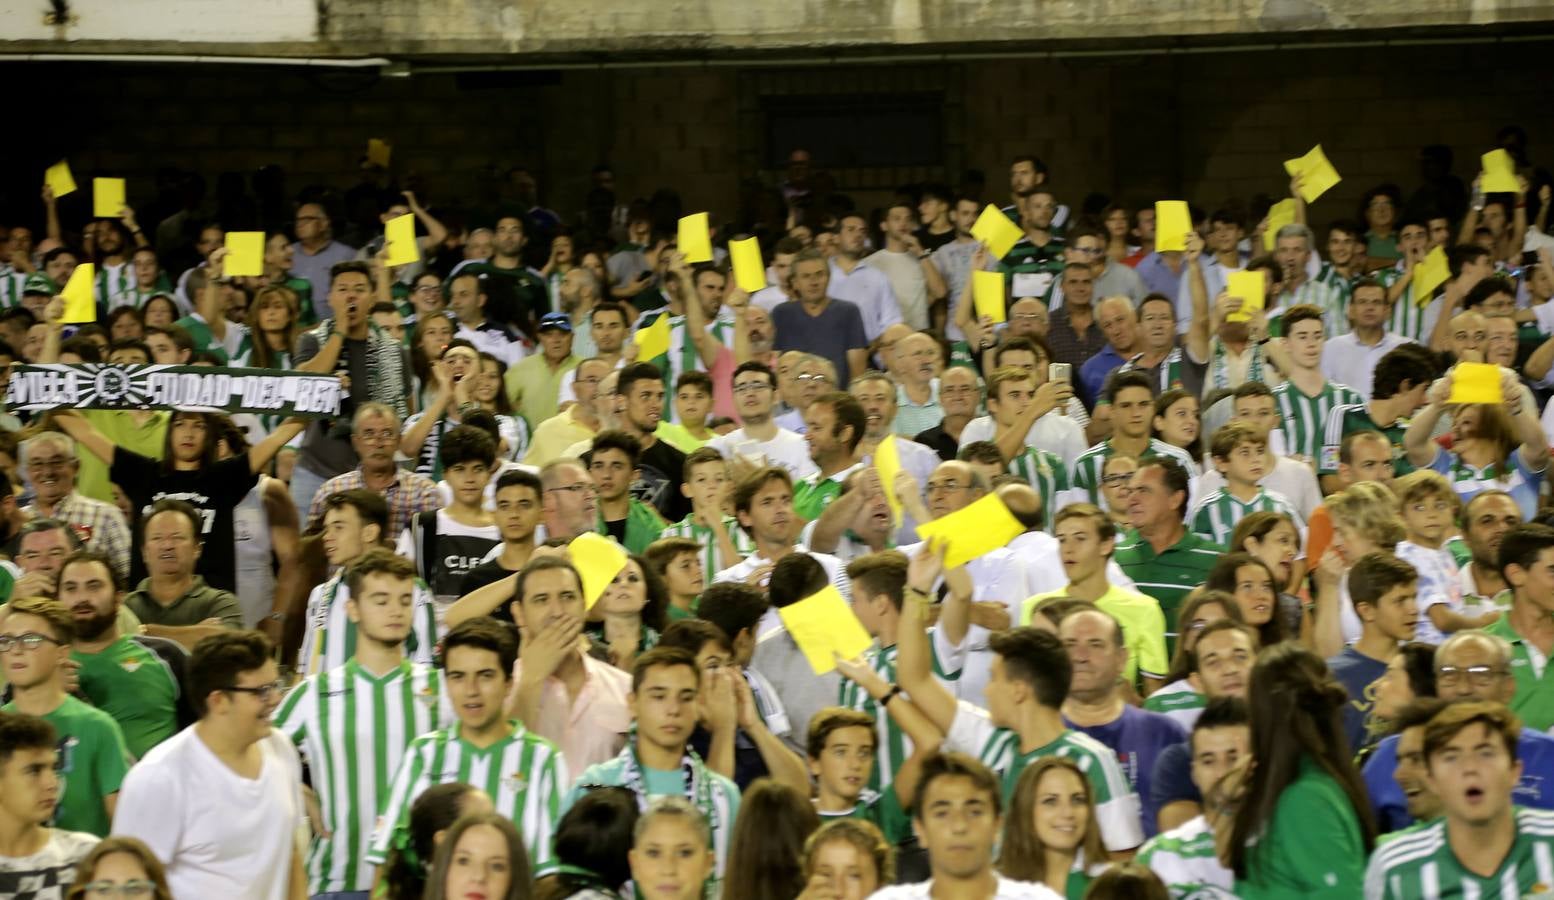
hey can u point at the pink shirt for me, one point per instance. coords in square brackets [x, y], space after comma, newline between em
[590, 729]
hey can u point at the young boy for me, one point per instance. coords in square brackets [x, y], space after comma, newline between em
[37, 861]
[1010, 392]
[677, 560]
[692, 403]
[1240, 453]
[1429, 515]
[708, 485]
[842, 744]
[1383, 589]
[448, 543]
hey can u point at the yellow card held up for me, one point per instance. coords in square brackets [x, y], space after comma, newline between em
[598, 560]
[653, 341]
[695, 240]
[1499, 173]
[887, 462]
[1279, 215]
[1476, 383]
[1317, 174]
[80, 306]
[1429, 274]
[107, 197]
[402, 245]
[1172, 222]
[1250, 287]
[987, 295]
[972, 531]
[379, 152]
[749, 270]
[824, 627]
[994, 229]
[245, 254]
[59, 179]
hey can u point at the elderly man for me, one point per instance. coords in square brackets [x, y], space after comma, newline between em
[41, 548]
[1292, 248]
[580, 420]
[1118, 322]
[958, 398]
[375, 437]
[51, 465]
[917, 398]
[172, 601]
[571, 502]
[815, 323]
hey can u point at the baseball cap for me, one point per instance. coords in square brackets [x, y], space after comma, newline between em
[39, 283]
[556, 320]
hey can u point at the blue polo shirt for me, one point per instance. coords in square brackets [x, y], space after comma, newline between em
[1536, 789]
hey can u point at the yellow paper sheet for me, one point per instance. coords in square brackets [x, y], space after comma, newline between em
[1249, 286]
[824, 627]
[1279, 215]
[695, 240]
[107, 197]
[1317, 174]
[59, 179]
[987, 295]
[379, 152]
[994, 229]
[245, 254]
[1172, 222]
[1476, 383]
[970, 532]
[653, 341]
[598, 560]
[749, 270]
[400, 235]
[1429, 274]
[887, 462]
[1499, 173]
[80, 307]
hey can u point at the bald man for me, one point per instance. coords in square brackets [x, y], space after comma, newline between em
[919, 360]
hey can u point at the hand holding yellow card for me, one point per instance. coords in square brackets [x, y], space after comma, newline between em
[987, 295]
[80, 306]
[1279, 215]
[245, 254]
[1172, 222]
[1250, 287]
[695, 240]
[59, 179]
[652, 341]
[887, 462]
[1499, 174]
[399, 234]
[994, 229]
[1317, 175]
[1476, 383]
[598, 560]
[972, 531]
[107, 197]
[1429, 274]
[824, 627]
[749, 270]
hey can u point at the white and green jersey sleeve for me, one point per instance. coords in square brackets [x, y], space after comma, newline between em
[1178, 701]
[1186, 861]
[1305, 417]
[329, 635]
[1421, 865]
[354, 728]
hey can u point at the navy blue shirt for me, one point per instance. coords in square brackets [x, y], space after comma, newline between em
[1138, 737]
[838, 329]
[1535, 750]
[1358, 673]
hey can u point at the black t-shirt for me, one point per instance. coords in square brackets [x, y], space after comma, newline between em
[487, 573]
[931, 241]
[662, 468]
[326, 443]
[213, 490]
[617, 530]
[940, 442]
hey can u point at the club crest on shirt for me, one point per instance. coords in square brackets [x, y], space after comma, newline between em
[517, 780]
[131, 665]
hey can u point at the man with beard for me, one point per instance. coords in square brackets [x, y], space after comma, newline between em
[640, 404]
[136, 679]
[111, 240]
[1485, 521]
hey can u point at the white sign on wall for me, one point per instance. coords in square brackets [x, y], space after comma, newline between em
[182, 21]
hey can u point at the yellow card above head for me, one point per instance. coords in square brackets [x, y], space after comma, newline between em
[379, 152]
[402, 245]
[1317, 174]
[972, 531]
[987, 295]
[1172, 222]
[245, 254]
[1499, 174]
[59, 179]
[1279, 215]
[824, 626]
[1476, 383]
[107, 197]
[1429, 274]
[80, 305]
[1250, 287]
[994, 229]
[749, 270]
[887, 462]
[695, 240]
[653, 341]
[598, 560]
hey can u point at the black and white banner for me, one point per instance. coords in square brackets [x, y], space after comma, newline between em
[39, 388]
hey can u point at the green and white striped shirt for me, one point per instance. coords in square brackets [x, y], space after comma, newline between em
[1045, 472]
[1346, 418]
[113, 281]
[1329, 292]
[329, 638]
[712, 561]
[1305, 417]
[523, 774]
[1421, 865]
[1178, 701]
[354, 728]
[1186, 861]
[1215, 516]
[1087, 468]
[1410, 318]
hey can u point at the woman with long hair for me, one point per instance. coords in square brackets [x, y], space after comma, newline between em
[591, 844]
[1273, 538]
[1494, 446]
[120, 867]
[270, 331]
[847, 859]
[482, 856]
[431, 815]
[765, 857]
[1116, 224]
[1366, 518]
[428, 340]
[671, 851]
[631, 613]
[1303, 826]
[1251, 584]
[1178, 698]
[1177, 423]
[1051, 835]
[489, 390]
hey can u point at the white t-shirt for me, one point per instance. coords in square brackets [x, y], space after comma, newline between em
[220, 835]
[1008, 889]
[1054, 433]
[786, 449]
[49, 873]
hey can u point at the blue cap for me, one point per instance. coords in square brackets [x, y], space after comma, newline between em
[556, 320]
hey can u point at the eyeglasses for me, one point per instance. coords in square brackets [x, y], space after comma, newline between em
[29, 641]
[1116, 480]
[386, 434]
[1479, 676]
[750, 387]
[264, 691]
[942, 487]
[138, 887]
[824, 379]
[578, 488]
